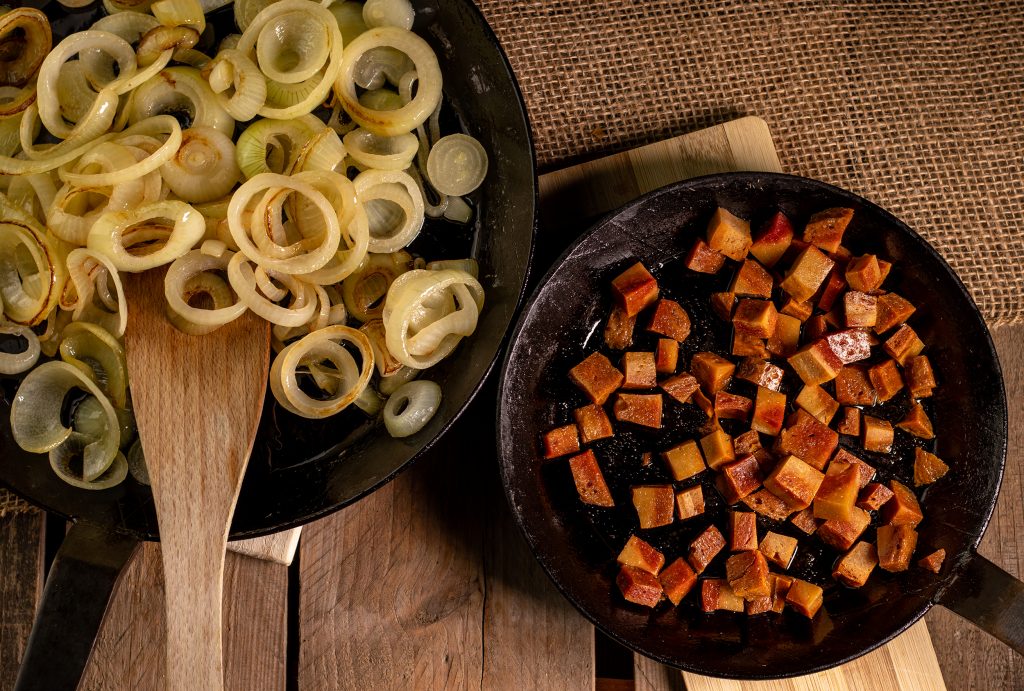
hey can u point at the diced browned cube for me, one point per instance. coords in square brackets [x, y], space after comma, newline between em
[677, 580]
[704, 548]
[825, 229]
[639, 371]
[884, 267]
[805, 521]
[767, 504]
[920, 378]
[841, 535]
[654, 504]
[816, 363]
[755, 318]
[634, 289]
[729, 234]
[597, 376]
[773, 240]
[927, 467]
[745, 345]
[747, 443]
[589, 479]
[670, 319]
[816, 401]
[751, 280]
[805, 598]
[666, 356]
[716, 594]
[712, 371]
[759, 605]
[886, 379]
[844, 458]
[769, 411]
[618, 330]
[638, 586]
[808, 440]
[640, 409]
[842, 256]
[850, 345]
[747, 573]
[703, 259]
[561, 441]
[593, 423]
[849, 422]
[795, 482]
[717, 448]
[874, 496]
[933, 562]
[637, 552]
[742, 531]
[861, 309]
[808, 272]
[863, 274]
[778, 549]
[853, 386]
[896, 545]
[761, 372]
[786, 339]
[876, 435]
[833, 287]
[854, 567]
[739, 478]
[814, 328]
[893, 310]
[903, 345]
[722, 305]
[681, 387]
[837, 495]
[916, 422]
[780, 588]
[704, 403]
[903, 508]
[732, 407]
[800, 311]
[690, 502]
[684, 460]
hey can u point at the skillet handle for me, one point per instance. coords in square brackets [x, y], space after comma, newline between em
[82, 578]
[989, 597]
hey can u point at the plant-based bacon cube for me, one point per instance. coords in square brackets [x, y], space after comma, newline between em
[717, 448]
[729, 234]
[561, 441]
[903, 508]
[825, 229]
[704, 548]
[801, 311]
[755, 318]
[804, 597]
[816, 401]
[589, 479]
[874, 496]
[761, 372]
[703, 402]
[842, 534]
[773, 240]
[833, 287]
[634, 289]
[809, 271]
[637, 552]
[593, 423]
[844, 458]
[703, 259]
[927, 467]
[742, 531]
[639, 371]
[739, 478]
[618, 330]
[638, 586]
[876, 435]
[837, 495]
[920, 378]
[690, 502]
[861, 309]
[808, 439]
[677, 580]
[681, 387]
[732, 406]
[795, 482]
[745, 345]
[640, 409]
[816, 327]
[722, 305]
[850, 345]
[712, 371]
[892, 310]
[903, 345]
[854, 567]
[816, 363]
[916, 422]
[767, 504]
[933, 562]
[670, 319]
[805, 521]
[786, 339]
[684, 460]
[717, 594]
[666, 356]
[896, 545]
[769, 411]
[597, 377]
[654, 504]
[886, 379]
[864, 274]
[849, 421]
[778, 549]
[747, 573]
[751, 280]
[853, 386]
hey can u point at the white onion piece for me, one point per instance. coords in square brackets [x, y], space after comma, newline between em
[324, 151]
[158, 41]
[107, 235]
[272, 146]
[411, 407]
[457, 164]
[243, 281]
[387, 234]
[77, 444]
[458, 210]
[178, 290]
[382, 153]
[236, 80]
[16, 363]
[75, 94]
[177, 89]
[350, 19]
[87, 271]
[203, 168]
[356, 241]
[292, 47]
[388, 385]
[163, 124]
[382, 65]
[246, 11]
[180, 13]
[98, 354]
[381, 99]
[389, 13]
[31, 273]
[366, 288]
[470, 266]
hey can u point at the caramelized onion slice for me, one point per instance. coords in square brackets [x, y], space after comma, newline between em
[16, 363]
[411, 407]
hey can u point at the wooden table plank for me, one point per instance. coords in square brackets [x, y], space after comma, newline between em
[21, 584]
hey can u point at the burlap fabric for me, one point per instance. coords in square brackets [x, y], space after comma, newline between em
[918, 106]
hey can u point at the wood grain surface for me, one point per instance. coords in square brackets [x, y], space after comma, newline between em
[21, 584]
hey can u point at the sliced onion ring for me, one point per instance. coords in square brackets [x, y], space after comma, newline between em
[411, 407]
[16, 363]
[107, 235]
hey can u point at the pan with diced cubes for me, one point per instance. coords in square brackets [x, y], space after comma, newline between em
[753, 426]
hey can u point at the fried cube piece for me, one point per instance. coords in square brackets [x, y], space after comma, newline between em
[896, 545]
[808, 272]
[933, 562]
[903, 345]
[742, 531]
[816, 401]
[853, 386]
[749, 444]
[805, 521]
[589, 479]
[850, 345]
[854, 567]
[844, 458]
[739, 478]
[801, 311]
[635, 289]
[892, 310]
[903, 508]
[874, 496]
[640, 409]
[808, 439]
[717, 448]
[722, 305]
[747, 573]
[677, 580]
[593, 423]
[597, 377]
[795, 482]
[745, 345]
[618, 330]
[814, 328]
[690, 502]
[716, 594]
[837, 495]
[732, 406]
[773, 240]
[816, 363]
[927, 467]
[704, 403]
[825, 229]
[729, 234]
[786, 338]
[886, 379]
[752, 280]
[639, 553]
[861, 309]
[916, 422]
[849, 422]
[778, 549]
[639, 370]
[780, 588]
[876, 435]
[920, 377]
[670, 319]
[833, 287]
[761, 372]
[804, 597]
[654, 504]
[703, 259]
[769, 411]
[767, 504]
[638, 586]
[561, 441]
[841, 535]
[755, 318]
[712, 371]
[684, 460]
[704, 548]
[864, 274]
[666, 356]
[681, 387]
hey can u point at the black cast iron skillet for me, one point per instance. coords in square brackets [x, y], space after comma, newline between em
[577, 544]
[301, 470]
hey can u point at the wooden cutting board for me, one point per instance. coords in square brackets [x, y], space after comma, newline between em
[573, 196]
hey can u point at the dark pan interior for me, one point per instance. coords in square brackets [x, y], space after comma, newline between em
[303, 469]
[577, 544]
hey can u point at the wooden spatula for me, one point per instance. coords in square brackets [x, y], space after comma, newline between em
[197, 402]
